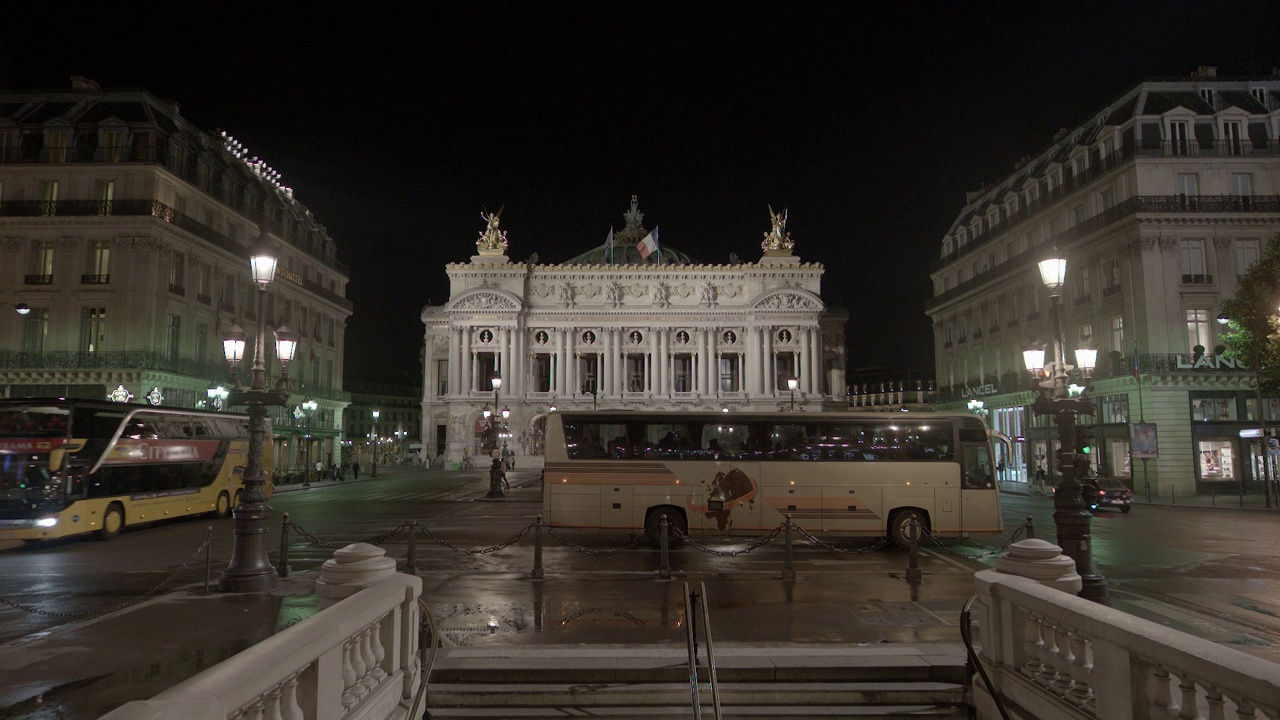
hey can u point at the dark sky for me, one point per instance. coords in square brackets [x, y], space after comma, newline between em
[395, 126]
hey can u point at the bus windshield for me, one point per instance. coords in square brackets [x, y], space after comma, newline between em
[27, 488]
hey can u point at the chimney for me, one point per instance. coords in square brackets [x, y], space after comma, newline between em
[1206, 71]
[1060, 134]
[83, 84]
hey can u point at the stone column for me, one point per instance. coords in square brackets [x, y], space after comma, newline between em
[700, 366]
[750, 369]
[770, 386]
[557, 381]
[467, 364]
[815, 359]
[570, 360]
[802, 366]
[455, 361]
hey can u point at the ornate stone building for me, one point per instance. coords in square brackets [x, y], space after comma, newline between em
[624, 326]
[1161, 200]
[125, 231]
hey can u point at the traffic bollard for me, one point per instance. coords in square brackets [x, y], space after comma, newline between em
[664, 571]
[1031, 528]
[411, 563]
[537, 549]
[282, 567]
[913, 565]
[208, 560]
[788, 570]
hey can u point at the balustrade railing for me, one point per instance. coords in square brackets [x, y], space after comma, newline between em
[358, 658]
[1059, 657]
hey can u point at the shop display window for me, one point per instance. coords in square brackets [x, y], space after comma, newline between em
[1216, 459]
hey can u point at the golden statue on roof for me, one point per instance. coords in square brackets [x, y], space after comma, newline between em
[493, 241]
[778, 241]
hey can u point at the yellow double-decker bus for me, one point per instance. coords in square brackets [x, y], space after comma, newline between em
[855, 474]
[73, 467]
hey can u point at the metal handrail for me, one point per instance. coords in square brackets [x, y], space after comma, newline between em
[691, 638]
[428, 663]
[711, 649]
[691, 642]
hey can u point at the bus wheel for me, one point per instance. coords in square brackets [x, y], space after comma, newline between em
[223, 507]
[675, 521]
[112, 522]
[900, 528]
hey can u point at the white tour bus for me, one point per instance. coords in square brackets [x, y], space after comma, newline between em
[851, 474]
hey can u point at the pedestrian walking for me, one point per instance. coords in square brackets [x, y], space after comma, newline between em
[355, 470]
[342, 472]
[1039, 480]
[496, 478]
[319, 470]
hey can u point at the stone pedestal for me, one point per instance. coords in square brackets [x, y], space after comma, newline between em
[779, 257]
[1043, 562]
[352, 569]
[490, 259]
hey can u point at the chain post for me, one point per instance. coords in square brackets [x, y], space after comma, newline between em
[537, 549]
[788, 570]
[913, 564]
[664, 571]
[1031, 528]
[283, 563]
[208, 560]
[411, 563]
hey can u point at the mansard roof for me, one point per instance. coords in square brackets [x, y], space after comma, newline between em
[1162, 101]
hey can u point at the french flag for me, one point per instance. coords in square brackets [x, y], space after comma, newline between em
[649, 244]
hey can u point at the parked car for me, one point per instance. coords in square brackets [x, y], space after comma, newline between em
[1107, 492]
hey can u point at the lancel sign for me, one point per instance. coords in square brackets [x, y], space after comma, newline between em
[1207, 362]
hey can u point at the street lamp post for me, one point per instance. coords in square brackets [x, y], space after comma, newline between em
[1256, 330]
[249, 569]
[376, 413]
[1071, 515]
[20, 308]
[308, 409]
[792, 384]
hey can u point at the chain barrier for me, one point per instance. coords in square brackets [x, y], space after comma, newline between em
[472, 551]
[642, 537]
[755, 545]
[979, 556]
[372, 541]
[114, 608]
[879, 544]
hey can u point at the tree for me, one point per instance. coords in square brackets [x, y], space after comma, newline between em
[1252, 316]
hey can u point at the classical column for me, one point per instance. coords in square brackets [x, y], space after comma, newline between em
[815, 359]
[503, 361]
[801, 363]
[570, 361]
[605, 369]
[770, 386]
[467, 364]
[557, 375]
[699, 365]
[455, 360]
[751, 363]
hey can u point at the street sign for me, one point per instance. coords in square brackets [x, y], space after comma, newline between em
[1251, 433]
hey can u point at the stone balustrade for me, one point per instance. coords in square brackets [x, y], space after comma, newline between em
[1054, 656]
[356, 660]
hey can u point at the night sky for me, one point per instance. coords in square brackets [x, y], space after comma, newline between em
[869, 121]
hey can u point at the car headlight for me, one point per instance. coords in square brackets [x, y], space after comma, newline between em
[47, 522]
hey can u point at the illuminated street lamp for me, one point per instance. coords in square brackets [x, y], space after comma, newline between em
[376, 413]
[308, 409]
[20, 308]
[792, 384]
[976, 406]
[1071, 514]
[249, 569]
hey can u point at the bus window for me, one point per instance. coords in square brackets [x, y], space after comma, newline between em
[723, 441]
[667, 440]
[977, 468]
[792, 441]
[595, 438]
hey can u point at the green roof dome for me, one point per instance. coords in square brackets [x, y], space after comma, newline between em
[624, 251]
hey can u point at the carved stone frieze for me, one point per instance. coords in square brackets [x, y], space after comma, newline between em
[68, 243]
[661, 294]
[484, 301]
[1168, 243]
[13, 244]
[707, 294]
[788, 301]
[1222, 243]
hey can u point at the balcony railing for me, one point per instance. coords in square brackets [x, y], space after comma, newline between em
[151, 208]
[1109, 291]
[95, 279]
[1214, 148]
[110, 360]
[1197, 279]
[37, 279]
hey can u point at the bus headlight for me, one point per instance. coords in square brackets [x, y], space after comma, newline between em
[47, 522]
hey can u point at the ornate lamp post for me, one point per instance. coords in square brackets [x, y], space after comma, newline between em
[792, 384]
[1071, 515]
[376, 413]
[250, 570]
[308, 409]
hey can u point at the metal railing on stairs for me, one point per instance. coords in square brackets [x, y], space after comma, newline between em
[692, 601]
